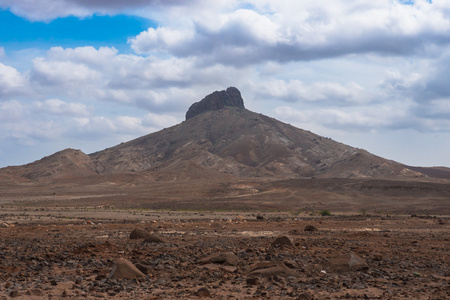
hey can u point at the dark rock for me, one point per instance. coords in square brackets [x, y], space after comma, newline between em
[14, 294]
[252, 281]
[310, 228]
[215, 101]
[154, 239]
[274, 268]
[144, 268]
[305, 296]
[203, 292]
[377, 257]
[139, 234]
[225, 258]
[282, 241]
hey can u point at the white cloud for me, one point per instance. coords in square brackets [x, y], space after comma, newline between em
[159, 40]
[46, 10]
[288, 31]
[159, 120]
[10, 111]
[58, 107]
[62, 73]
[11, 81]
[297, 91]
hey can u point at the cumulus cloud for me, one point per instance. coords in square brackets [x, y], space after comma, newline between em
[323, 92]
[394, 115]
[151, 83]
[12, 82]
[61, 108]
[10, 111]
[46, 10]
[316, 30]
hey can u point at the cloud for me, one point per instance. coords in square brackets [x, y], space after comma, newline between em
[158, 120]
[315, 31]
[11, 82]
[10, 111]
[61, 108]
[323, 92]
[47, 10]
[395, 115]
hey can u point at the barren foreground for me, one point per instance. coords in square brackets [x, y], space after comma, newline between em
[225, 256]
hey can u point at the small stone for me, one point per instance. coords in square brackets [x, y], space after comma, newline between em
[14, 294]
[252, 281]
[310, 228]
[203, 292]
[377, 257]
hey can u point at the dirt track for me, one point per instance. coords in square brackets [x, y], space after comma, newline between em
[57, 257]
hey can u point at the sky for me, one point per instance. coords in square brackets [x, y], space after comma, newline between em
[90, 74]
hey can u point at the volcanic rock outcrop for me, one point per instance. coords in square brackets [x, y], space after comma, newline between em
[215, 101]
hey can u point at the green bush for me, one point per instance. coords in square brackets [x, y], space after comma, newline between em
[325, 212]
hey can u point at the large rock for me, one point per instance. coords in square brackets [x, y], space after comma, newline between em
[123, 268]
[215, 101]
[282, 241]
[139, 234]
[154, 239]
[271, 268]
[224, 258]
[347, 262]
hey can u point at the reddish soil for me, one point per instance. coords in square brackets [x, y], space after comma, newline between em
[48, 255]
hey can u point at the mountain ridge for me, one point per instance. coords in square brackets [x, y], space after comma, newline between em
[220, 137]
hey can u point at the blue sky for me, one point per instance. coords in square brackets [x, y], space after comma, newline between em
[91, 74]
[97, 30]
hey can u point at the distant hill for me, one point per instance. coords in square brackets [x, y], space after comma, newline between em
[221, 138]
[436, 172]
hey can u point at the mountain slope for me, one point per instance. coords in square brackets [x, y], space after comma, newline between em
[221, 138]
[241, 143]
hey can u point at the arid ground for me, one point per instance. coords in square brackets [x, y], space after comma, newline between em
[69, 252]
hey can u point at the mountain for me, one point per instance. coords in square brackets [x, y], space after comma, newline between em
[220, 137]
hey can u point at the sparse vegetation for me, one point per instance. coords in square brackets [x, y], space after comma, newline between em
[325, 212]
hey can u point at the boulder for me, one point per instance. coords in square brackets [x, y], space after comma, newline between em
[154, 239]
[282, 241]
[124, 269]
[223, 258]
[348, 262]
[139, 234]
[271, 268]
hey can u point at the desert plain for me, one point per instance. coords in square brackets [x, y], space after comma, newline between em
[68, 241]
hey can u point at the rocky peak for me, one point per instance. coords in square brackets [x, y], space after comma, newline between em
[217, 100]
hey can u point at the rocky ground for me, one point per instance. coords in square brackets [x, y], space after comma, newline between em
[227, 257]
